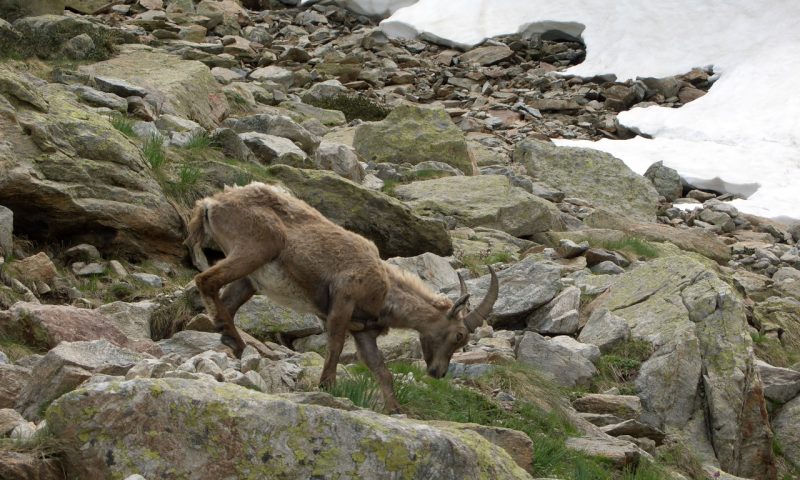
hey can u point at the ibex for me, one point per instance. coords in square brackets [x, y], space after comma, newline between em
[280, 246]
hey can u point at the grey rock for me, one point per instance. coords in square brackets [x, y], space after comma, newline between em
[604, 180]
[13, 380]
[443, 451]
[267, 320]
[326, 90]
[82, 253]
[186, 344]
[273, 73]
[485, 201]
[100, 99]
[133, 319]
[270, 149]
[569, 249]
[554, 362]
[607, 268]
[618, 452]
[635, 428]
[82, 269]
[6, 230]
[339, 158]
[786, 273]
[523, 287]
[66, 366]
[434, 270]
[559, 316]
[666, 181]
[786, 426]
[277, 125]
[148, 279]
[232, 145]
[486, 55]
[780, 384]
[605, 330]
[624, 407]
[574, 347]
[79, 47]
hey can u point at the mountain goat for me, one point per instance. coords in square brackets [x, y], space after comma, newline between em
[278, 245]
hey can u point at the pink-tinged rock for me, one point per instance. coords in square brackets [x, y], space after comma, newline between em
[45, 326]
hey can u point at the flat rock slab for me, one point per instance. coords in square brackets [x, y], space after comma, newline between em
[184, 87]
[482, 201]
[267, 320]
[591, 175]
[623, 406]
[186, 428]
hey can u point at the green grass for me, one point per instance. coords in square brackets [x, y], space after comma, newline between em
[477, 263]
[124, 125]
[199, 141]
[354, 107]
[153, 150]
[620, 366]
[14, 348]
[184, 188]
[535, 412]
[42, 444]
[641, 249]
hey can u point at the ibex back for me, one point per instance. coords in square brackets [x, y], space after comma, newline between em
[280, 246]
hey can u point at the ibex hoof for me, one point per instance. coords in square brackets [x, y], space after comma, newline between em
[234, 345]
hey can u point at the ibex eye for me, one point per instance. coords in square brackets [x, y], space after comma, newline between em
[459, 337]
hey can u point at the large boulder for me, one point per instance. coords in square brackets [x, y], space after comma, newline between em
[561, 365]
[68, 174]
[176, 427]
[523, 287]
[414, 134]
[391, 225]
[13, 379]
[267, 320]
[179, 87]
[434, 270]
[592, 175]
[702, 371]
[68, 365]
[482, 201]
[780, 314]
[45, 326]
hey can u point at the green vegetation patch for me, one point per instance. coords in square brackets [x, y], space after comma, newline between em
[124, 125]
[620, 366]
[354, 107]
[640, 249]
[534, 412]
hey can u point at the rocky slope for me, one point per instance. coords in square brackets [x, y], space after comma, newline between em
[643, 328]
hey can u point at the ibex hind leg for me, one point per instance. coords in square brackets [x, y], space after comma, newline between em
[233, 268]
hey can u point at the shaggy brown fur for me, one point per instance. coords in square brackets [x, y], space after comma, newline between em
[278, 245]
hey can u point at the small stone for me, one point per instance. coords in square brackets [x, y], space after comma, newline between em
[607, 268]
[569, 249]
[117, 269]
[148, 279]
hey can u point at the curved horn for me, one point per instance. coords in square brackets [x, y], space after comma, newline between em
[458, 305]
[476, 317]
[463, 284]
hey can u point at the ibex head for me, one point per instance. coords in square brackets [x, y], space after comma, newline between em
[451, 331]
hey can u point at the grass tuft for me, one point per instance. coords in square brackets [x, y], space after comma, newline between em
[641, 249]
[199, 141]
[620, 366]
[153, 150]
[124, 125]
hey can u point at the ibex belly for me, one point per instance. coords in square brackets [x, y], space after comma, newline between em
[273, 281]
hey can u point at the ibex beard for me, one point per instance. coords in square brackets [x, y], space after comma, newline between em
[277, 245]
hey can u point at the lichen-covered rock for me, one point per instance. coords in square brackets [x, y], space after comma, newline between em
[69, 174]
[48, 35]
[176, 427]
[266, 320]
[29, 465]
[181, 87]
[68, 365]
[523, 287]
[485, 201]
[434, 270]
[132, 319]
[13, 378]
[391, 225]
[780, 313]
[786, 426]
[413, 134]
[45, 326]
[596, 176]
[556, 363]
[13, 9]
[703, 368]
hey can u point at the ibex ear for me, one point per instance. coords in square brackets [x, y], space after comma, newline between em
[442, 302]
[460, 304]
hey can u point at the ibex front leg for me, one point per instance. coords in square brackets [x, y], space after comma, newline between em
[232, 268]
[367, 346]
[338, 318]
